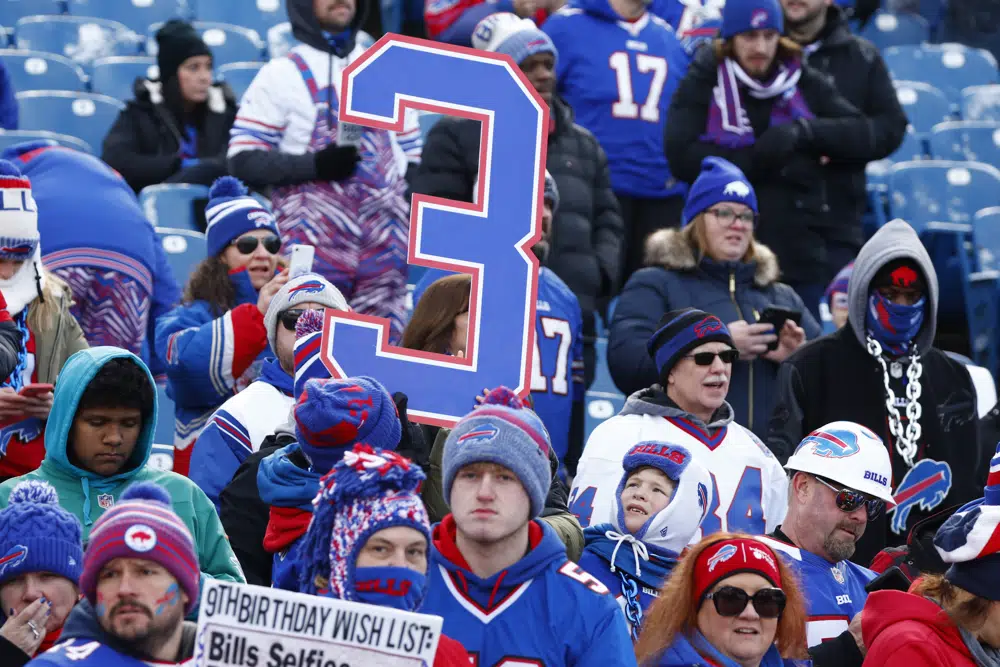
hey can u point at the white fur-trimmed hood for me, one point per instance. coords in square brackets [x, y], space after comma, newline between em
[668, 249]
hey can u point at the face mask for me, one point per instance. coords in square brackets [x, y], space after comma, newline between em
[396, 587]
[892, 324]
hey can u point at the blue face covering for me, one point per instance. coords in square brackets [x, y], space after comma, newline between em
[894, 325]
[396, 587]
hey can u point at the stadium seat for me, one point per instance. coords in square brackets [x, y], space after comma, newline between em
[229, 43]
[925, 105]
[986, 228]
[981, 102]
[941, 191]
[171, 205]
[239, 76]
[79, 38]
[258, 15]
[115, 76]
[184, 249]
[137, 15]
[83, 115]
[948, 67]
[603, 400]
[976, 141]
[164, 435]
[912, 147]
[886, 29]
[12, 11]
[10, 138]
[37, 70]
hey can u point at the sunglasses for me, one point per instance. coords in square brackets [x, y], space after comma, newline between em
[290, 318]
[706, 358]
[247, 244]
[849, 501]
[730, 601]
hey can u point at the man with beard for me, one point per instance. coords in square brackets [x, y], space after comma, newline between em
[840, 478]
[140, 577]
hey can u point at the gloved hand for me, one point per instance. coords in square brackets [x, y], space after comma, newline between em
[776, 144]
[336, 163]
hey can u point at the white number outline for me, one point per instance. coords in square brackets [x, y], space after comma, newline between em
[626, 106]
[551, 328]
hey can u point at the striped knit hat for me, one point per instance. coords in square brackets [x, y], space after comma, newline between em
[143, 525]
[19, 215]
[231, 211]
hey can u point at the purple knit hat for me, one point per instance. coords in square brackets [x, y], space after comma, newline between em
[142, 525]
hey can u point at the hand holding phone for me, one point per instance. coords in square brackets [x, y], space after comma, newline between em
[777, 317]
[301, 262]
[36, 389]
[349, 134]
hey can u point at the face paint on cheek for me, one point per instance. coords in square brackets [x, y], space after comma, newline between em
[169, 599]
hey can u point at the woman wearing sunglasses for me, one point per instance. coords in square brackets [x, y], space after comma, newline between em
[730, 602]
[214, 343]
[714, 264]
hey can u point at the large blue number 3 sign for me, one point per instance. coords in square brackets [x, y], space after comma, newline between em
[489, 240]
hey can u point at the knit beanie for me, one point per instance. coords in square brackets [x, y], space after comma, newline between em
[551, 192]
[682, 330]
[512, 35]
[746, 15]
[836, 291]
[503, 431]
[308, 343]
[970, 541]
[177, 41]
[231, 211]
[19, 238]
[902, 272]
[719, 181]
[331, 416]
[38, 535]
[143, 525]
[368, 490]
[307, 288]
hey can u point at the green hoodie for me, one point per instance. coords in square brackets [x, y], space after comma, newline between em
[86, 494]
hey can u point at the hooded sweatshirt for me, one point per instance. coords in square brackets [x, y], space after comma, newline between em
[749, 485]
[87, 495]
[541, 610]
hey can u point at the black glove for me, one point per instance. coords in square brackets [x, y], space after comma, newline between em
[776, 144]
[336, 163]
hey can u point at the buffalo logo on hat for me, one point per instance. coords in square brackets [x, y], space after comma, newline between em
[140, 538]
[833, 444]
[308, 287]
[762, 554]
[721, 556]
[21, 250]
[738, 188]
[758, 18]
[260, 218]
[482, 433]
[13, 558]
[904, 276]
[709, 325]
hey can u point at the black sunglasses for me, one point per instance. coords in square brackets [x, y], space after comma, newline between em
[247, 244]
[849, 500]
[290, 318]
[731, 601]
[706, 358]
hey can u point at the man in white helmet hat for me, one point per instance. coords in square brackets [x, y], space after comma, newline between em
[840, 478]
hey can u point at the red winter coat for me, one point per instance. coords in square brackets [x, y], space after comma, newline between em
[904, 630]
[450, 653]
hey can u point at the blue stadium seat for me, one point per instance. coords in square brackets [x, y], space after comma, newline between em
[37, 70]
[79, 38]
[10, 138]
[986, 228]
[981, 102]
[976, 141]
[115, 76]
[12, 11]
[164, 435]
[925, 105]
[170, 205]
[603, 400]
[83, 115]
[184, 249]
[912, 147]
[239, 76]
[137, 15]
[258, 15]
[229, 43]
[941, 191]
[949, 67]
[886, 29]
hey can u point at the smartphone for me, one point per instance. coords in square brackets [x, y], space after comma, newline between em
[776, 317]
[33, 390]
[892, 579]
[349, 134]
[301, 262]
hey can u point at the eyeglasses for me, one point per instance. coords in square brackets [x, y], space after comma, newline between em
[727, 215]
[731, 601]
[707, 358]
[290, 317]
[848, 500]
[247, 244]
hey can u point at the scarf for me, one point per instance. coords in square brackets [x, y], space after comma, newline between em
[728, 122]
[696, 650]
[894, 325]
[16, 379]
[396, 587]
[289, 490]
[985, 656]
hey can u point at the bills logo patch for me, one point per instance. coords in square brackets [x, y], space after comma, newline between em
[903, 276]
[721, 556]
[260, 218]
[758, 19]
[13, 558]
[832, 443]
[707, 326]
[140, 538]
[24, 431]
[308, 287]
[738, 188]
[481, 433]
[20, 251]
[924, 487]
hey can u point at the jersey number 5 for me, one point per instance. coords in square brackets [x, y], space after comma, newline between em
[626, 106]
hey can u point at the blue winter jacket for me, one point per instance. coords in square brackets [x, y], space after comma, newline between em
[729, 290]
[695, 651]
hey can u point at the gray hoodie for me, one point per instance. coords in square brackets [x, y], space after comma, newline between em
[894, 241]
[654, 401]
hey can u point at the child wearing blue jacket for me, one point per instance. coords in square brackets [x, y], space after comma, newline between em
[659, 505]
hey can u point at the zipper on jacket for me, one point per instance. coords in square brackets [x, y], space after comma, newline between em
[739, 313]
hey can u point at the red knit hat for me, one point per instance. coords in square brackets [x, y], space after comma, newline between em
[729, 557]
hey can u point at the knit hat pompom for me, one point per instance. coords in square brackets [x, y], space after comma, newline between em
[8, 168]
[34, 491]
[147, 491]
[367, 472]
[504, 396]
[311, 321]
[227, 186]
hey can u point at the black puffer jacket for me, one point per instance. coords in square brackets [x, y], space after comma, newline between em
[794, 199]
[143, 143]
[587, 231]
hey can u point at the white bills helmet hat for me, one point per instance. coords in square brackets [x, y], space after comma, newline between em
[849, 454]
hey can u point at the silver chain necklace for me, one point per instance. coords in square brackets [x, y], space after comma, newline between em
[906, 439]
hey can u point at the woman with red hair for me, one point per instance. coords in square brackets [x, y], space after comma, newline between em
[730, 602]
